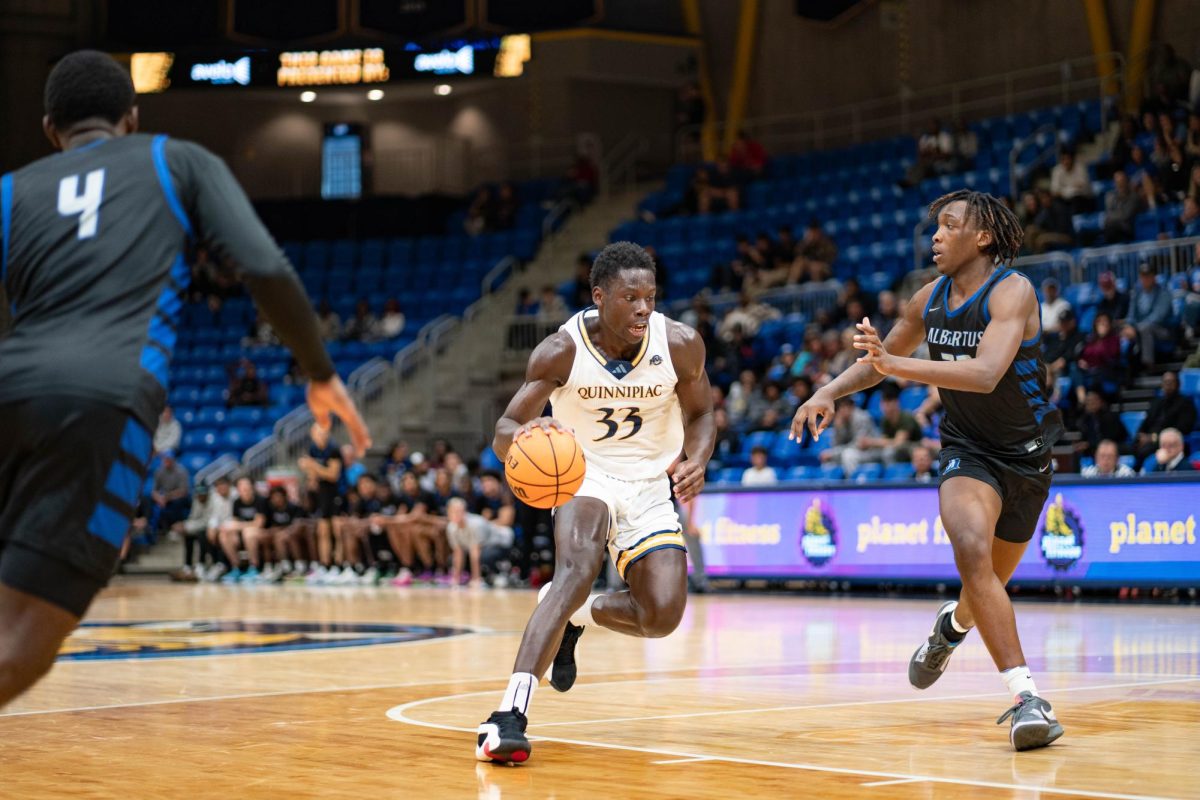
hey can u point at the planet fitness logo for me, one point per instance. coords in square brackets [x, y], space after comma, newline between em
[1062, 534]
[818, 536]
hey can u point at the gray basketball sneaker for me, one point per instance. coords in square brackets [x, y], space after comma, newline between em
[932, 657]
[1033, 723]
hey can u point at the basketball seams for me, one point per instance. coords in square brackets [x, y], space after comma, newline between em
[557, 474]
[551, 494]
[530, 459]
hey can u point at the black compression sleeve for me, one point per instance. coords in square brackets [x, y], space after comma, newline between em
[283, 303]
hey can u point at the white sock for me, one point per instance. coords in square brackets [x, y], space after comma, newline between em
[1019, 679]
[519, 693]
[954, 624]
[583, 616]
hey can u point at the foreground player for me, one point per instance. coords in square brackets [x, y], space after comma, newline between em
[982, 322]
[92, 261]
[631, 385]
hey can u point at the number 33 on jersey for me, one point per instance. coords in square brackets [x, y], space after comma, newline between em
[625, 414]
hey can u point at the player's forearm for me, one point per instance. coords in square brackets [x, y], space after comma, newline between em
[858, 378]
[284, 305]
[699, 438]
[505, 428]
[972, 375]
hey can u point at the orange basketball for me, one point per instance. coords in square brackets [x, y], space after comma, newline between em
[545, 470]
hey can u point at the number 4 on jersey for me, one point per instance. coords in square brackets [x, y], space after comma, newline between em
[86, 205]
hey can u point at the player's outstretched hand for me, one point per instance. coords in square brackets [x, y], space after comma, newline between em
[868, 339]
[545, 423]
[689, 480]
[326, 398]
[817, 413]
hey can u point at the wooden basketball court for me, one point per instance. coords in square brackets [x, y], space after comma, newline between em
[754, 695]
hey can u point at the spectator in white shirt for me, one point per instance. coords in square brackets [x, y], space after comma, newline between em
[1053, 305]
[759, 474]
[1107, 465]
[1069, 182]
[169, 431]
[391, 324]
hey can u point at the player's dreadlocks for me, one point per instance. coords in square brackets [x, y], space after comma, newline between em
[989, 214]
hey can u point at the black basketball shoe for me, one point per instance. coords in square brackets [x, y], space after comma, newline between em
[562, 673]
[501, 739]
[933, 656]
[1033, 723]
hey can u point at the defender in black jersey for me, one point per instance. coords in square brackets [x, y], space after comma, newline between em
[93, 270]
[983, 325]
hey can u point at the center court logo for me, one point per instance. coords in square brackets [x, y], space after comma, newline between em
[1062, 534]
[95, 641]
[818, 536]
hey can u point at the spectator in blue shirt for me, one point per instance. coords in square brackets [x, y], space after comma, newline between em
[1149, 314]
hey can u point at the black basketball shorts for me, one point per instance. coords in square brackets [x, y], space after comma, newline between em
[71, 472]
[1022, 483]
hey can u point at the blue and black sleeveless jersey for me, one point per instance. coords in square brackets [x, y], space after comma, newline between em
[1017, 418]
[93, 266]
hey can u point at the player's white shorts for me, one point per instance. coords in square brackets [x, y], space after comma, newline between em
[641, 515]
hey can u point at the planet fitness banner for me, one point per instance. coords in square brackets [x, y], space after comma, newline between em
[1129, 532]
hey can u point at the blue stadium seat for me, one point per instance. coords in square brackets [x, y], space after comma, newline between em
[237, 438]
[804, 473]
[194, 462]
[898, 472]
[1189, 382]
[868, 472]
[832, 472]
[245, 416]
[1132, 420]
[730, 475]
[212, 416]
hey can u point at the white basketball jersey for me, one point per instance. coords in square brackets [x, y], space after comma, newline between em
[625, 414]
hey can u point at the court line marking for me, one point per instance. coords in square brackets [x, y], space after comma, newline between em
[398, 714]
[893, 783]
[683, 760]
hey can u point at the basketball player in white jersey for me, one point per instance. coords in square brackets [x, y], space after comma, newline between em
[630, 384]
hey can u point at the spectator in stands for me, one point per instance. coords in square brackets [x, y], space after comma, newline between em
[479, 212]
[329, 323]
[526, 305]
[785, 246]
[900, 431]
[1100, 361]
[552, 309]
[886, 314]
[1191, 144]
[220, 511]
[800, 391]
[581, 291]
[728, 442]
[1188, 222]
[1169, 410]
[1149, 315]
[1172, 73]
[396, 464]
[1168, 158]
[195, 543]
[1122, 150]
[775, 406]
[170, 491]
[1107, 463]
[1193, 187]
[922, 464]
[661, 276]
[465, 533]
[817, 253]
[1190, 314]
[1141, 172]
[288, 529]
[759, 473]
[743, 397]
[1069, 182]
[1053, 305]
[246, 388]
[722, 192]
[581, 181]
[1063, 351]
[504, 210]
[391, 324]
[748, 316]
[1097, 423]
[363, 326]
[935, 153]
[1052, 227]
[1113, 301]
[1122, 204]
[245, 528]
[322, 468]
[747, 158]
[852, 428]
[169, 432]
[1169, 456]
[689, 110]
[352, 468]
[966, 147]
[845, 356]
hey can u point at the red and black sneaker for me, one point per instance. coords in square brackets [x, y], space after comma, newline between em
[501, 739]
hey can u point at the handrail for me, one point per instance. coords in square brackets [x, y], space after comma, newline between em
[853, 120]
[505, 265]
[919, 231]
[556, 215]
[620, 163]
[1019, 146]
[812, 295]
[257, 459]
[224, 466]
